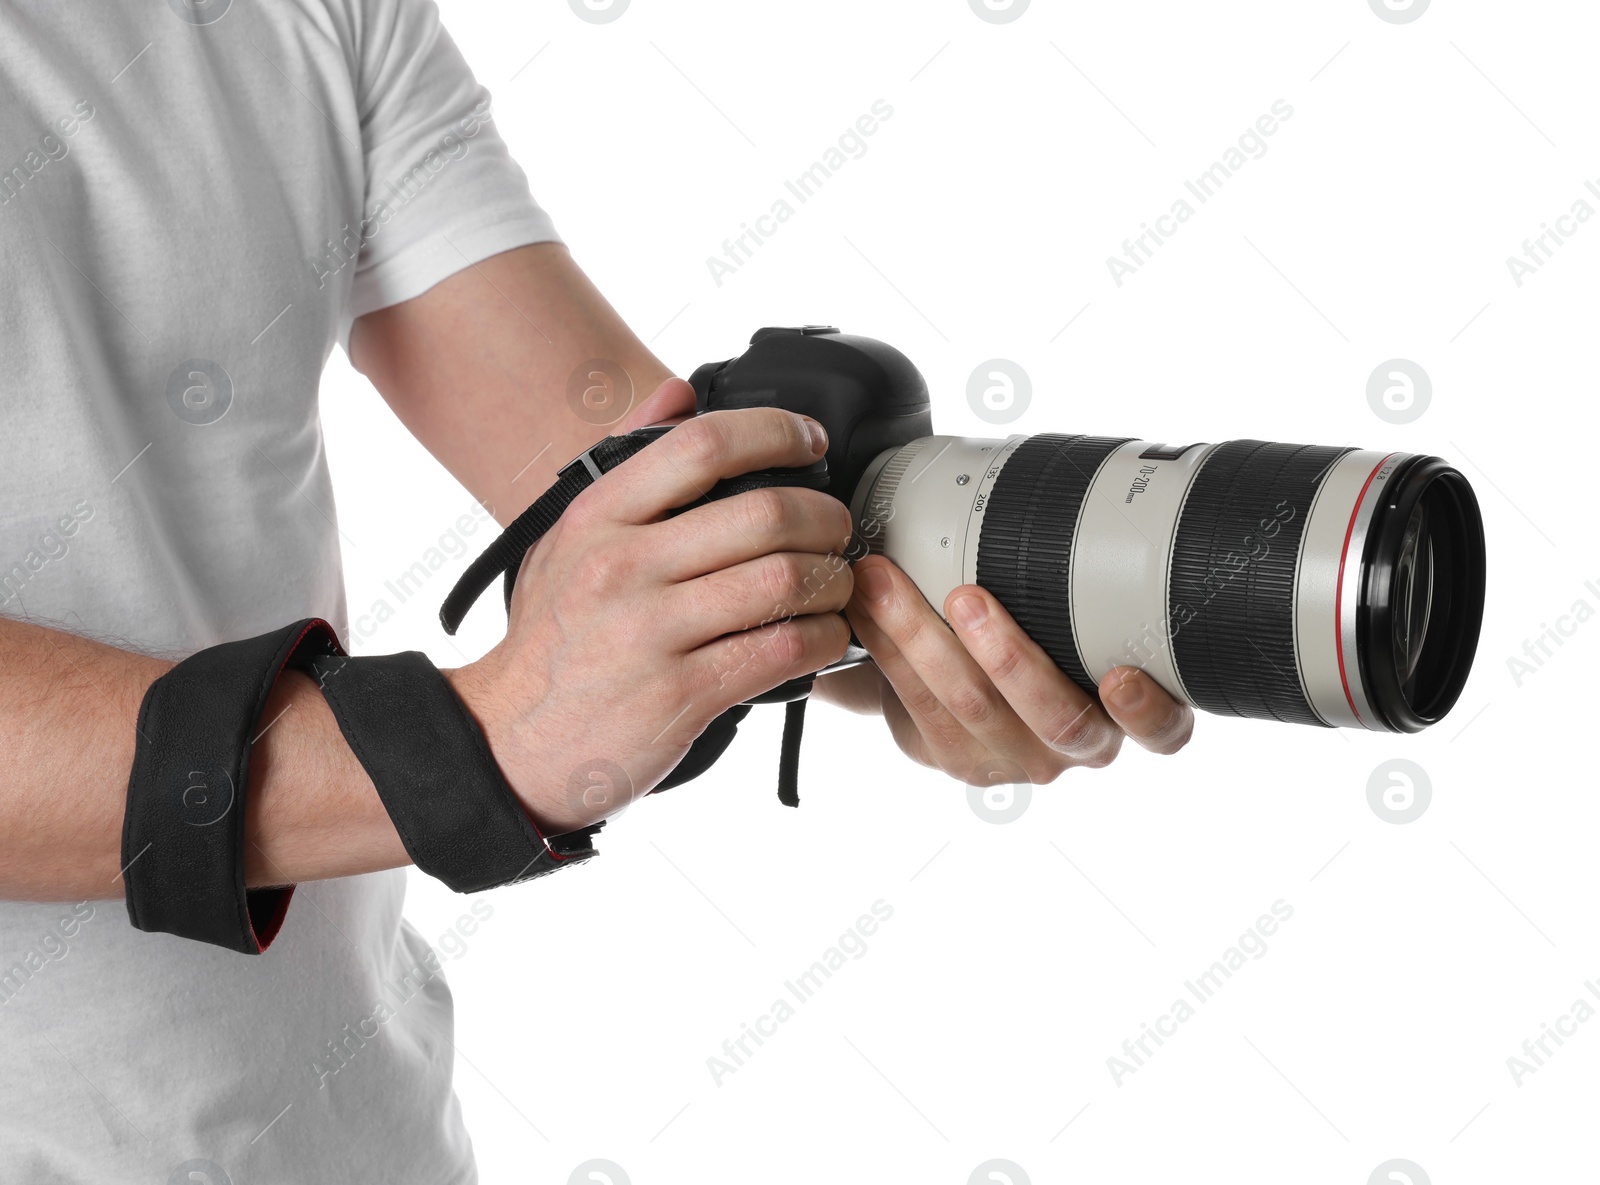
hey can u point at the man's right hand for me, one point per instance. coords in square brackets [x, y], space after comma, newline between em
[630, 631]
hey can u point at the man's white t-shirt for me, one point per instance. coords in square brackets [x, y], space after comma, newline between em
[197, 197]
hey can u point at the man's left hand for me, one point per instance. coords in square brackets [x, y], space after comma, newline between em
[978, 698]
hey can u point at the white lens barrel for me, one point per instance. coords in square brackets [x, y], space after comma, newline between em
[1121, 552]
[924, 506]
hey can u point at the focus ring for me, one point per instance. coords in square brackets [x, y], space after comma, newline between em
[1025, 547]
[1231, 588]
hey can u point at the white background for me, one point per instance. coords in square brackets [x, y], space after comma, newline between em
[1019, 957]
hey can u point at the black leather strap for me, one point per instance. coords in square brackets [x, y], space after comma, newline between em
[183, 831]
[794, 723]
[445, 794]
[504, 555]
[706, 749]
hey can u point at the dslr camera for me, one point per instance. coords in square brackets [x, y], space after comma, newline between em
[1331, 586]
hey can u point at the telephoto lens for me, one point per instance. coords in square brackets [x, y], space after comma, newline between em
[1327, 586]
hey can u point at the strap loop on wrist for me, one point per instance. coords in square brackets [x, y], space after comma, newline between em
[458, 818]
[183, 831]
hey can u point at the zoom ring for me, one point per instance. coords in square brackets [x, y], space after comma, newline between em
[1231, 588]
[1025, 547]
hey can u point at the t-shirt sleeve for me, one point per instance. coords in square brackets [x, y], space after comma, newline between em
[442, 191]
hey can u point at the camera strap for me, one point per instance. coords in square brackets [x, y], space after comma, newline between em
[183, 831]
[504, 555]
[503, 558]
[438, 780]
[183, 837]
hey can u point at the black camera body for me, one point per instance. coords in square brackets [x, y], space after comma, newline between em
[867, 394]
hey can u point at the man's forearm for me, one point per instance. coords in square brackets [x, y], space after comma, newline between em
[68, 708]
[478, 368]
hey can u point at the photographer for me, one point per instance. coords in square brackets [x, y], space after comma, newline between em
[245, 193]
